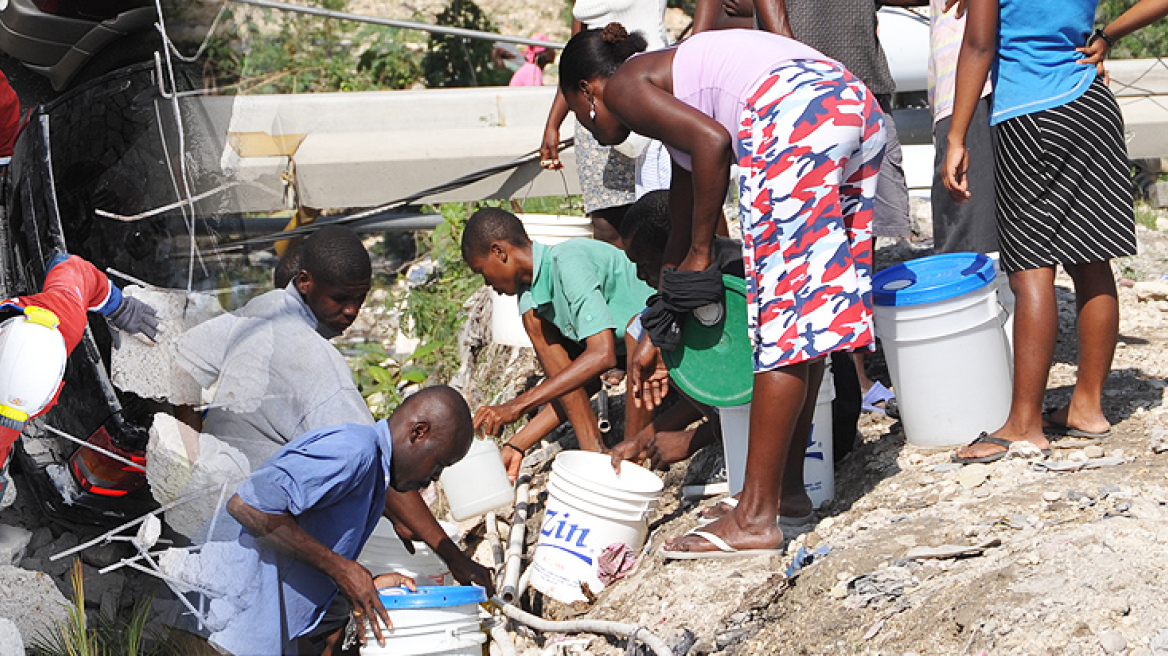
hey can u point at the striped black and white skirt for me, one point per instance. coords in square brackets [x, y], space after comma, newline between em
[1064, 191]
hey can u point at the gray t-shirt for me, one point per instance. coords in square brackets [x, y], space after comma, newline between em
[275, 376]
[844, 30]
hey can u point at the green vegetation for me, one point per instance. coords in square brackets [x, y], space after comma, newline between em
[267, 51]
[459, 62]
[106, 637]
[281, 52]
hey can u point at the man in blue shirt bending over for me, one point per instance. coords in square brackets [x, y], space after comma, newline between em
[308, 511]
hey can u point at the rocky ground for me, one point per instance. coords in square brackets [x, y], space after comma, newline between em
[1062, 555]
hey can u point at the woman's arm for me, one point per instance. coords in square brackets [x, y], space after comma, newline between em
[640, 94]
[772, 16]
[978, 49]
[1144, 13]
[549, 148]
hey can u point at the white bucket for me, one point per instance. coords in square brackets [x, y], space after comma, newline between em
[547, 229]
[384, 553]
[818, 463]
[949, 358]
[1006, 299]
[478, 483]
[430, 623]
[589, 508]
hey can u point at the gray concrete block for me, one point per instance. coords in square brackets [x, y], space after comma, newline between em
[31, 601]
[13, 543]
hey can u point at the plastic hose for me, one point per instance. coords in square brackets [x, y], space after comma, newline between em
[619, 629]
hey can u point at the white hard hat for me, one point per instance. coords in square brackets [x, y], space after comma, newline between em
[32, 364]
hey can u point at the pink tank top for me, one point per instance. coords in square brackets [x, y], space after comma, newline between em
[716, 72]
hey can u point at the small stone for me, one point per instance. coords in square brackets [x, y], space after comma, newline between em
[1122, 506]
[1075, 495]
[1118, 606]
[1051, 495]
[1151, 290]
[1113, 642]
[1093, 451]
[1024, 449]
[1078, 456]
[972, 476]
[915, 459]
[1141, 651]
[947, 467]
[839, 591]
[1108, 490]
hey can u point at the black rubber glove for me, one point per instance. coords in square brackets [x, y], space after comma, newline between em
[133, 316]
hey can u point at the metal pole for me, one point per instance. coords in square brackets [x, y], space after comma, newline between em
[407, 25]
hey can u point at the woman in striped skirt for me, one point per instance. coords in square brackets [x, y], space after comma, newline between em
[1064, 194]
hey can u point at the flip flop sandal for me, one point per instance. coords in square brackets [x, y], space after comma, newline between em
[723, 550]
[985, 438]
[878, 393]
[1057, 430]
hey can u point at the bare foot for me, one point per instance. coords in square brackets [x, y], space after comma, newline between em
[765, 536]
[1062, 419]
[799, 508]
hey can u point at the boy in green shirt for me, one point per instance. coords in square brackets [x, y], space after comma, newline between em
[576, 298]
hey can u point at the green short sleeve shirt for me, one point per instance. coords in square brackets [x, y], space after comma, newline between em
[584, 286]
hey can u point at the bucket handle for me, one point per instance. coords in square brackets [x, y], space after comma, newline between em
[463, 630]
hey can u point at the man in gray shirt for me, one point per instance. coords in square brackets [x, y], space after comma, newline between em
[276, 376]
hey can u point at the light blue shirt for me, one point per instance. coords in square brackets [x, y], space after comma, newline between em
[1035, 68]
[333, 481]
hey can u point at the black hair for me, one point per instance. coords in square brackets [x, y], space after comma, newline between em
[335, 255]
[287, 267]
[489, 225]
[646, 224]
[597, 53]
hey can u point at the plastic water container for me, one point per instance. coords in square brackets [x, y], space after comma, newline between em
[430, 621]
[478, 483]
[384, 553]
[589, 508]
[547, 229]
[940, 323]
[819, 461]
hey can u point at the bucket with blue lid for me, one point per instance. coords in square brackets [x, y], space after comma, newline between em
[941, 327]
[440, 620]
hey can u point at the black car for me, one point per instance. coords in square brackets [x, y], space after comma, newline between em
[109, 147]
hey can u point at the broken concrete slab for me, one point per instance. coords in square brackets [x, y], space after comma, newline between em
[31, 600]
[150, 370]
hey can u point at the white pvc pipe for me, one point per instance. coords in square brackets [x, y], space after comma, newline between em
[630, 631]
[503, 639]
[516, 541]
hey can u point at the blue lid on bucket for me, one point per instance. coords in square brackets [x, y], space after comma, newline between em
[432, 596]
[933, 278]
